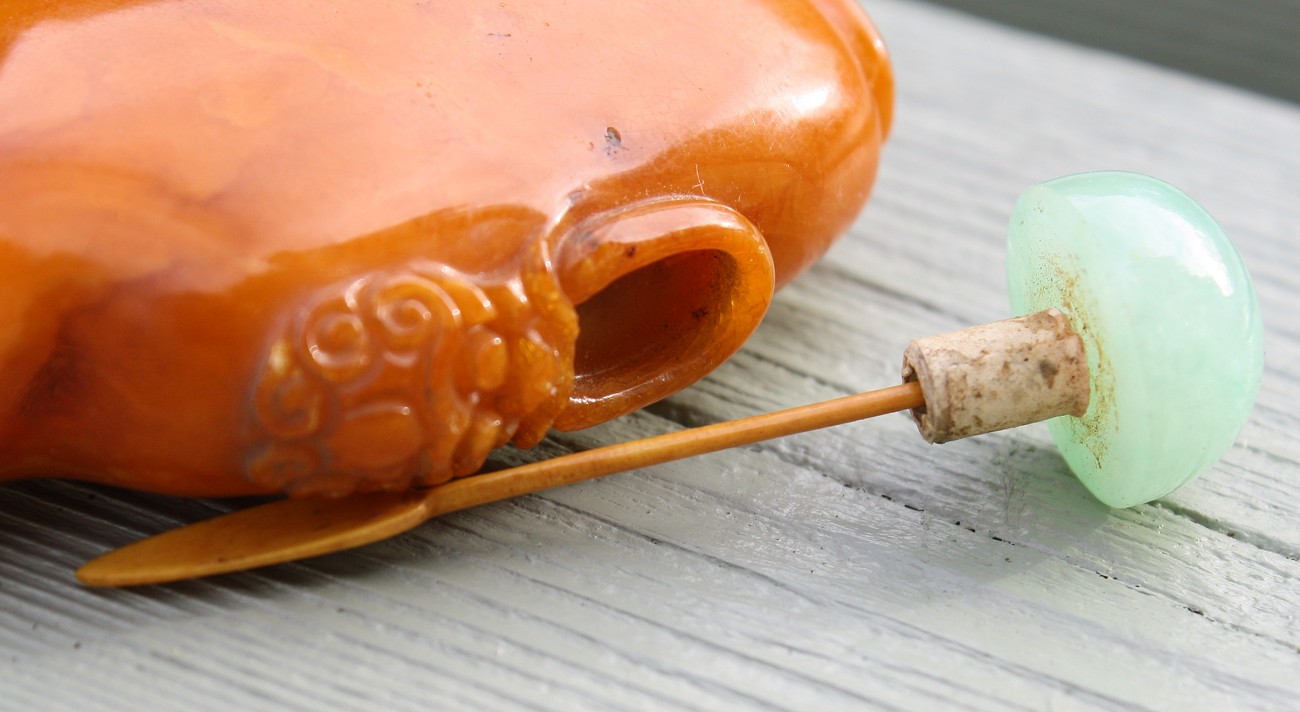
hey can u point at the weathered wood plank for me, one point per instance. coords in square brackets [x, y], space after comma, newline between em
[1249, 44]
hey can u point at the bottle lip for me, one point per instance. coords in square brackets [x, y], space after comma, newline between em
[665, 292]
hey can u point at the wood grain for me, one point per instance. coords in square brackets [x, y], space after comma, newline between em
[843, 569]
[1250, 45]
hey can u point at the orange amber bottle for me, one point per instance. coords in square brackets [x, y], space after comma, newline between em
[249, 247]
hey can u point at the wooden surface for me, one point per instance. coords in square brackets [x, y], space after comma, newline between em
[1250, 43]
[845, 569]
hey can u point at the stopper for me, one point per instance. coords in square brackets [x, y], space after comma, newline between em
[997, 376]
[1157, 296]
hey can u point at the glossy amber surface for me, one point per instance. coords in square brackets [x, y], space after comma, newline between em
[327, 247]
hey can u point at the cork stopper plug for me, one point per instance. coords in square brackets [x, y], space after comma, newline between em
[997, 376]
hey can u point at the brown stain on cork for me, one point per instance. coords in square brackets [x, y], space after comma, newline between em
[1048, 370]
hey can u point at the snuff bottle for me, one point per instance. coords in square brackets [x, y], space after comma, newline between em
[251, 247]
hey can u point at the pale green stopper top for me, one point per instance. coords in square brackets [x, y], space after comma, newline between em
[1167, 313]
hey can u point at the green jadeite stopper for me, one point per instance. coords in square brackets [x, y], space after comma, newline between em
[1167, 314]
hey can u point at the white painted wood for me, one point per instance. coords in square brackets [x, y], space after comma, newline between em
[844, 569]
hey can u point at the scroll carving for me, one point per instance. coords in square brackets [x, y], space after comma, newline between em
[405, 377]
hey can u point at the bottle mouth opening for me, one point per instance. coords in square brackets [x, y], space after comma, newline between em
[659, 312]
[635, 334]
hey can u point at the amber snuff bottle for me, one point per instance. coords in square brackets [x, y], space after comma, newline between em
[250, 247]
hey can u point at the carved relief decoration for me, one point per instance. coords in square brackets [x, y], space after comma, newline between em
[407, 377]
